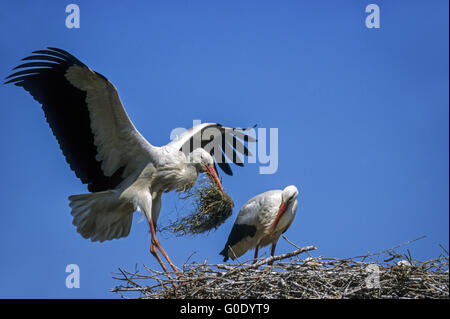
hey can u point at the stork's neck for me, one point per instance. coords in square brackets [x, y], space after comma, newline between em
[287, 216]
[168, 179]
[188, 177]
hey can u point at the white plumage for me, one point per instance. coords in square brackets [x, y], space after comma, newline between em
[261, 221]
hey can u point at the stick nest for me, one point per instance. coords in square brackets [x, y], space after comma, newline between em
[291, 277]
[210, 210]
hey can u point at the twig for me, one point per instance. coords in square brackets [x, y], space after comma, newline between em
[285, 238]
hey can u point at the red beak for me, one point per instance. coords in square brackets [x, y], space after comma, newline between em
[281, 210]
[213, 175]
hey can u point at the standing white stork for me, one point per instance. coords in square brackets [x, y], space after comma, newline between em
[124, 172]
[261, 221]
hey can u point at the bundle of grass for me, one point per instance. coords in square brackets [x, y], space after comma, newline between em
[211, 209]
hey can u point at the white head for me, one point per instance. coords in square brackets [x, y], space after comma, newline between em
[288, 198]
[204, 163]
[200, 159]
[289, 194]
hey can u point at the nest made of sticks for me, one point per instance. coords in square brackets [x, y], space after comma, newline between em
[211, 209]
[396, 276]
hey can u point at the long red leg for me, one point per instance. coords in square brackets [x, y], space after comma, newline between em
[155, 242]
[153, 248]
[256, 254]
[272, 251]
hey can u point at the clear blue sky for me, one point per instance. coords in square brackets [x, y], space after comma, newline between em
[362, 114]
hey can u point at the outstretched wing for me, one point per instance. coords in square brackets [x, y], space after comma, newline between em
[223, 143]
[85, 113]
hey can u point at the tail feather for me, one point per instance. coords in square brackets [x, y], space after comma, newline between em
[241, 238]
[224, 253]
[102, 215]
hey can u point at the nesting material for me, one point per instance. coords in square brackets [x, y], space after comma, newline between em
[294, 277]
[210, 210]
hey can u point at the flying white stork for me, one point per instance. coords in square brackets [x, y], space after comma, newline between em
[124, 172]
[261, 221]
